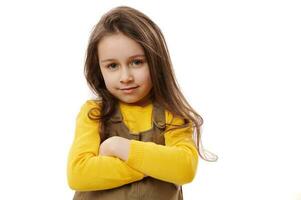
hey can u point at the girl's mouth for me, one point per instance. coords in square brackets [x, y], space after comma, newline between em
[129, 89]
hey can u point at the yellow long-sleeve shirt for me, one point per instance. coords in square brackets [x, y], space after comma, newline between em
[176, 162]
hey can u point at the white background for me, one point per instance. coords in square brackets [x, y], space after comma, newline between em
[237, 62]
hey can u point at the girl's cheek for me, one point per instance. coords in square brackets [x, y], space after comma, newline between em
[145, 75]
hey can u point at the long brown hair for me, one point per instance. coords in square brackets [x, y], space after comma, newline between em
[137, 26]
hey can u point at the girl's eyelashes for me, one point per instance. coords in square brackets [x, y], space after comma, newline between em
[136, 62]
[111, 66]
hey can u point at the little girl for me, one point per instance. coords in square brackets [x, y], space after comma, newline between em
[135, 141]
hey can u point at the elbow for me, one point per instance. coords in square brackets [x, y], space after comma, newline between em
[78, 171]
[77, 181]
[72, 185]
[72, 179]
[189, 177]
[190, 170]
[75, 177]
[183, 180]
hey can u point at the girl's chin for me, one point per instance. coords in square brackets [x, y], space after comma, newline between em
[135, 101]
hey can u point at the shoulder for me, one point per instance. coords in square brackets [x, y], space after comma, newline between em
[91, 103]
[177, 129]
[172, 119]
[90, 108]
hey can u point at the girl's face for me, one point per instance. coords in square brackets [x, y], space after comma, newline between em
[124, 68]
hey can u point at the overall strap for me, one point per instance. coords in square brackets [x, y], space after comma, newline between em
[117, 117]
[159, 116]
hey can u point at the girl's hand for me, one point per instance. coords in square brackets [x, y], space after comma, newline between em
[115, 146]
[105, 148]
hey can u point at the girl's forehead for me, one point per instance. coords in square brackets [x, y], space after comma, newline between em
[118, 46]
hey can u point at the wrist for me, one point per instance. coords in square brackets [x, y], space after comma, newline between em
[120, 148]
[113, 147]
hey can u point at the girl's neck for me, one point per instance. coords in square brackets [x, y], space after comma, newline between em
[142, 103]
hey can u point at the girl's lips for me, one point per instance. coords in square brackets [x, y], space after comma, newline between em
[129, 90]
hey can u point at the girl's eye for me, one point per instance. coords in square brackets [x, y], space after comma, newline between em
[137, 62]
[112, 66]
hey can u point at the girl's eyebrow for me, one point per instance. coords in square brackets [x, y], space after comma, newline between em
[112, 59]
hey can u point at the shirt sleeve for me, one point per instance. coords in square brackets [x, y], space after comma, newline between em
[86, 169]
[176, 162]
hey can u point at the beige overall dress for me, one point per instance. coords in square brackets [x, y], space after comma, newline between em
[148, 188]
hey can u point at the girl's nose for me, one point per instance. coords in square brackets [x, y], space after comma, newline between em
[126, 75]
